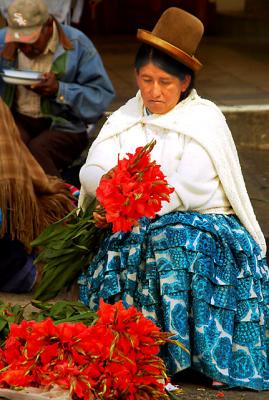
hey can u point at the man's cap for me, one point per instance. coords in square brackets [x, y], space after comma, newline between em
[25, 19]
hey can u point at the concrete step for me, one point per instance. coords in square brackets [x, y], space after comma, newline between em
[249, 125]
[255, 168]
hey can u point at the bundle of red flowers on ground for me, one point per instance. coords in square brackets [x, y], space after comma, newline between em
[133, 189]
[116, 358]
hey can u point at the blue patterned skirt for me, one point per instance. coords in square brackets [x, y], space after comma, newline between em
[200, 277]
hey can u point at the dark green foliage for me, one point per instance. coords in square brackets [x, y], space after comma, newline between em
[67, 247]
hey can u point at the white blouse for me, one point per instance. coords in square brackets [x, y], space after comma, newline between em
[186, 164]
[196, 152]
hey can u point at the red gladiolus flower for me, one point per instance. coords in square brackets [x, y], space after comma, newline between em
[114, 358]
[135, 188]
[15, 377]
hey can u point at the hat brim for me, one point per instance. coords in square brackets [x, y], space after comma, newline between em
[175, 52]
[23, 35]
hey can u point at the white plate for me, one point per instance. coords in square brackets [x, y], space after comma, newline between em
[22, 74]
[21, 77]
[19, 81]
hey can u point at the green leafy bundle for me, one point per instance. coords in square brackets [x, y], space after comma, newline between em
[67, 247]
[9, 314]
[59, 311]
[62, 311]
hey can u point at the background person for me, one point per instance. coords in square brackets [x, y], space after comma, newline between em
[29, 202]
[198, 269]
[52, 115]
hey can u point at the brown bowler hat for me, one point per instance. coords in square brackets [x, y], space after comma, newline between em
[178, 34]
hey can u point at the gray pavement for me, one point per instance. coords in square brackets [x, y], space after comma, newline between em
[255, 167]
[195, 391]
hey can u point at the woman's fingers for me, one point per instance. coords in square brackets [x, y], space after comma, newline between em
[100, 220]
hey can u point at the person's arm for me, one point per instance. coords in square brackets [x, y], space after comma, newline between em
[102, 157]
[195, 180]
[91, 92]
[84, 86]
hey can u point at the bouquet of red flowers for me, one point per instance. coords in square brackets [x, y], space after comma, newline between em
[135, 188]
[115, 358]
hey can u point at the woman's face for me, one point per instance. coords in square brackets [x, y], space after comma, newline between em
[160, 91]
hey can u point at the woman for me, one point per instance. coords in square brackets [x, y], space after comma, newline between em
[199, 268]
[29, 202]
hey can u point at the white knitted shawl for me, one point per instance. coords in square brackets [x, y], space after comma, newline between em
[203, 121]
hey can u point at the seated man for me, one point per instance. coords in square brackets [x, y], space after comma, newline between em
[52, 115]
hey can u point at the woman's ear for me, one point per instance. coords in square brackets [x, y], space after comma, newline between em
[185, 83]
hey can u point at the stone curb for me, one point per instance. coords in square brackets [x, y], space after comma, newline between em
[249, 125]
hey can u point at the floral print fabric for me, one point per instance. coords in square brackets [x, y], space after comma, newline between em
[199, 276]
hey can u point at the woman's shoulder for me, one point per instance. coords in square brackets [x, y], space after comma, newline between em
[203, 115]
[193, 114]
[131, 109]
[203, 108]
[204, 121]
[121, 119]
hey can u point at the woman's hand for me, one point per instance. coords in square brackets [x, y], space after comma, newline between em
[99, 217]
[108, 174]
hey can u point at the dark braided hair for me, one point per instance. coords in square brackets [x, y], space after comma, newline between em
[147, 54]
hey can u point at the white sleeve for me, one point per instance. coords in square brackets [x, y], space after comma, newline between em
[90, 176]
[101, 158]
[195, 180]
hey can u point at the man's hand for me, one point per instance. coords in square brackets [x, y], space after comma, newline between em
[48, 86]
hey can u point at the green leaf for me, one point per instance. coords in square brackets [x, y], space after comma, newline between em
[3, 323]
[63, 311]
[67, 249]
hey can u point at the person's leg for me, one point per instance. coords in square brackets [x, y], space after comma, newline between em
[55, 150]
[25, 135]
[18, 273]
[30, 127]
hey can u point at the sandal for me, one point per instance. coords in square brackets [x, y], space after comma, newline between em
[219, 385]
